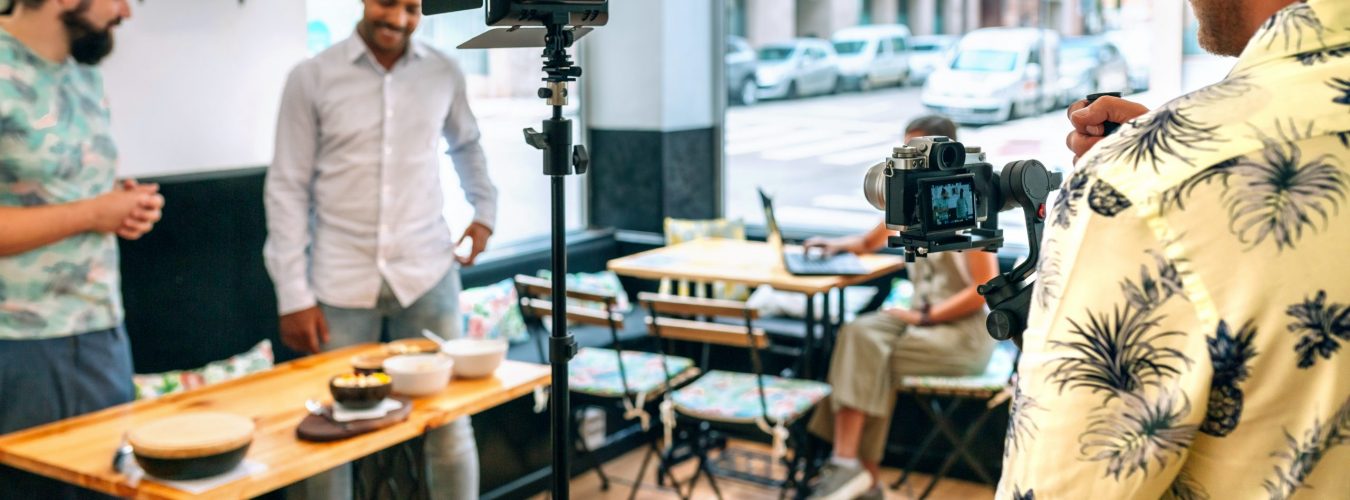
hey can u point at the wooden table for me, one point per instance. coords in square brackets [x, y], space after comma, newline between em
[751, 263]
[79, 450]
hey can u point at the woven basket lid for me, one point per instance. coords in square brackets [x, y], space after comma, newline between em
[191, 435]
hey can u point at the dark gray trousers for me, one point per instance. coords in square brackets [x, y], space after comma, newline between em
[46, 380]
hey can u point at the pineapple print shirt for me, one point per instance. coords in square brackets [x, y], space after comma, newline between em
[1186, 335]
[55, 148]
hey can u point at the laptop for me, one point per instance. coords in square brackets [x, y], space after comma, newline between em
[800, 264]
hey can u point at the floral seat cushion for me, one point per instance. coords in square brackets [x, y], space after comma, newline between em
[994, 378]
[734, 397]
[596, 371]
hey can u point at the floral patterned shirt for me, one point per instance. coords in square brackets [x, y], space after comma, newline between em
[55, 148]
[1185, 339]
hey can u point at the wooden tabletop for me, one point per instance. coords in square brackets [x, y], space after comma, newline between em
[80, 450]
[738, 261]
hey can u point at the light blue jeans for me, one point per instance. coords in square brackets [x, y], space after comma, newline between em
[451, 453]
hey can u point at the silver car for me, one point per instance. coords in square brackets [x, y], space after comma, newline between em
[740, 64]
[927, 54]
[801, 67]
[1088, 65]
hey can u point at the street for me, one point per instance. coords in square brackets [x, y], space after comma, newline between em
[811, 154]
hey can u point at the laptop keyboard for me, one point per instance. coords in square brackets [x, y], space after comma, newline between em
[840, 264]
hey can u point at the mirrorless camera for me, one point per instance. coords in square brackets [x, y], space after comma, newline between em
[940, 195]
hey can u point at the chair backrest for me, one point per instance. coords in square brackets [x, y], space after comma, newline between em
[536, 302]
[675, 317]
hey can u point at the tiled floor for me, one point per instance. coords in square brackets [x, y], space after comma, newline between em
[623, 470]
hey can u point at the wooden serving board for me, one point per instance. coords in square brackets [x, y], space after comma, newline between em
[322, 429]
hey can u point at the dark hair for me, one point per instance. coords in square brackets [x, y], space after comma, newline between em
[7, 6]
[932, 125]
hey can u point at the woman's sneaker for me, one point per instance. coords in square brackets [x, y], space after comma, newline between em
[841, 482]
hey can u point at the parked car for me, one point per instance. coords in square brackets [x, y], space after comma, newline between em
[1136, 46]
[872, 56]
[928, 53]
[740, 72]
[1088, 65]
[801, 67]
[997, 74]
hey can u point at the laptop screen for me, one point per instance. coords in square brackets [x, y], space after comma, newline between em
[775, 235]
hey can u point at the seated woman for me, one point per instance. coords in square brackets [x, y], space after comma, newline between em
[943, 334]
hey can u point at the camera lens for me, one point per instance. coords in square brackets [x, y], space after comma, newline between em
[874, 186]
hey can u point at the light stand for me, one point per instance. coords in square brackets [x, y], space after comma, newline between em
[553, 25]
[560, 160]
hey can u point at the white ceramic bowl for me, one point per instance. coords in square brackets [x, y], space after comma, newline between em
[476, 358]
[419, 374]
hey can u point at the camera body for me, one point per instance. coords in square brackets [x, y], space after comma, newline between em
[938, 194]
[508, 13]
[514, 13]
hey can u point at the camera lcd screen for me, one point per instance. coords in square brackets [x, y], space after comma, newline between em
[948, 202]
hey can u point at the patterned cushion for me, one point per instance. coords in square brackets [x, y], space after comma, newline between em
[601, 282]
[596, 371]
[994, 378]
[682, 230]
[153, 385]
[490, 312]
[734, 397]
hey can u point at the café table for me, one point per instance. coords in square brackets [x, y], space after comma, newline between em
[752, 263]
[79, 450]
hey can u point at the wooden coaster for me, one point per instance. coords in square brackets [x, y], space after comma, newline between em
[191, 435]
[322, 428]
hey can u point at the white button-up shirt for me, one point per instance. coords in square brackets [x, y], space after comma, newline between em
[354, 193]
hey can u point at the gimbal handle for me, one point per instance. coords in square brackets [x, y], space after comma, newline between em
[1027, 184]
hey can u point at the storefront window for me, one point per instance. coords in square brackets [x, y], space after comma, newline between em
[807, 126]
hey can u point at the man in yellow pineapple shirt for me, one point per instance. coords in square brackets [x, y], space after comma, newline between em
[1185, 340]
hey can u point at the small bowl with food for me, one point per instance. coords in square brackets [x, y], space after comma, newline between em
[360, 391]
[419, 375]
[475, 358]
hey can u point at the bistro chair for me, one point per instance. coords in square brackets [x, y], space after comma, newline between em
[940, 397]
[736, 402]
[596, 377]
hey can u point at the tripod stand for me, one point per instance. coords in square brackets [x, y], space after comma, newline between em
[560, 160]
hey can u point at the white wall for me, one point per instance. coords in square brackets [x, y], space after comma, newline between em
[194, 84]
[648, 68]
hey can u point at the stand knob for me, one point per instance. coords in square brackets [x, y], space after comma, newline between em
[1002, 324]
[581, 160]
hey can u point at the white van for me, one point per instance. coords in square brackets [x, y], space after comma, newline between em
[872, 56]
[997, 74]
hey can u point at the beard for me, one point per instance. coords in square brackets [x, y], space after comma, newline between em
[89, 44]
[1222, 29]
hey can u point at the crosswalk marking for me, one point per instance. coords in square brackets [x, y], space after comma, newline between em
[767, 143]
[849, 142]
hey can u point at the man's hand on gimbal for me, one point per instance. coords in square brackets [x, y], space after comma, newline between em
[1088, 121]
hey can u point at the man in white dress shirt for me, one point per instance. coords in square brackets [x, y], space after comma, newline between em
[357, 241]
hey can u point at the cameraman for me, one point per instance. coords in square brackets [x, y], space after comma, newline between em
[1193, 299]
[943, 334]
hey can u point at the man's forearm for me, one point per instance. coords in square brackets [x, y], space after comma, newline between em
[23, 229]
